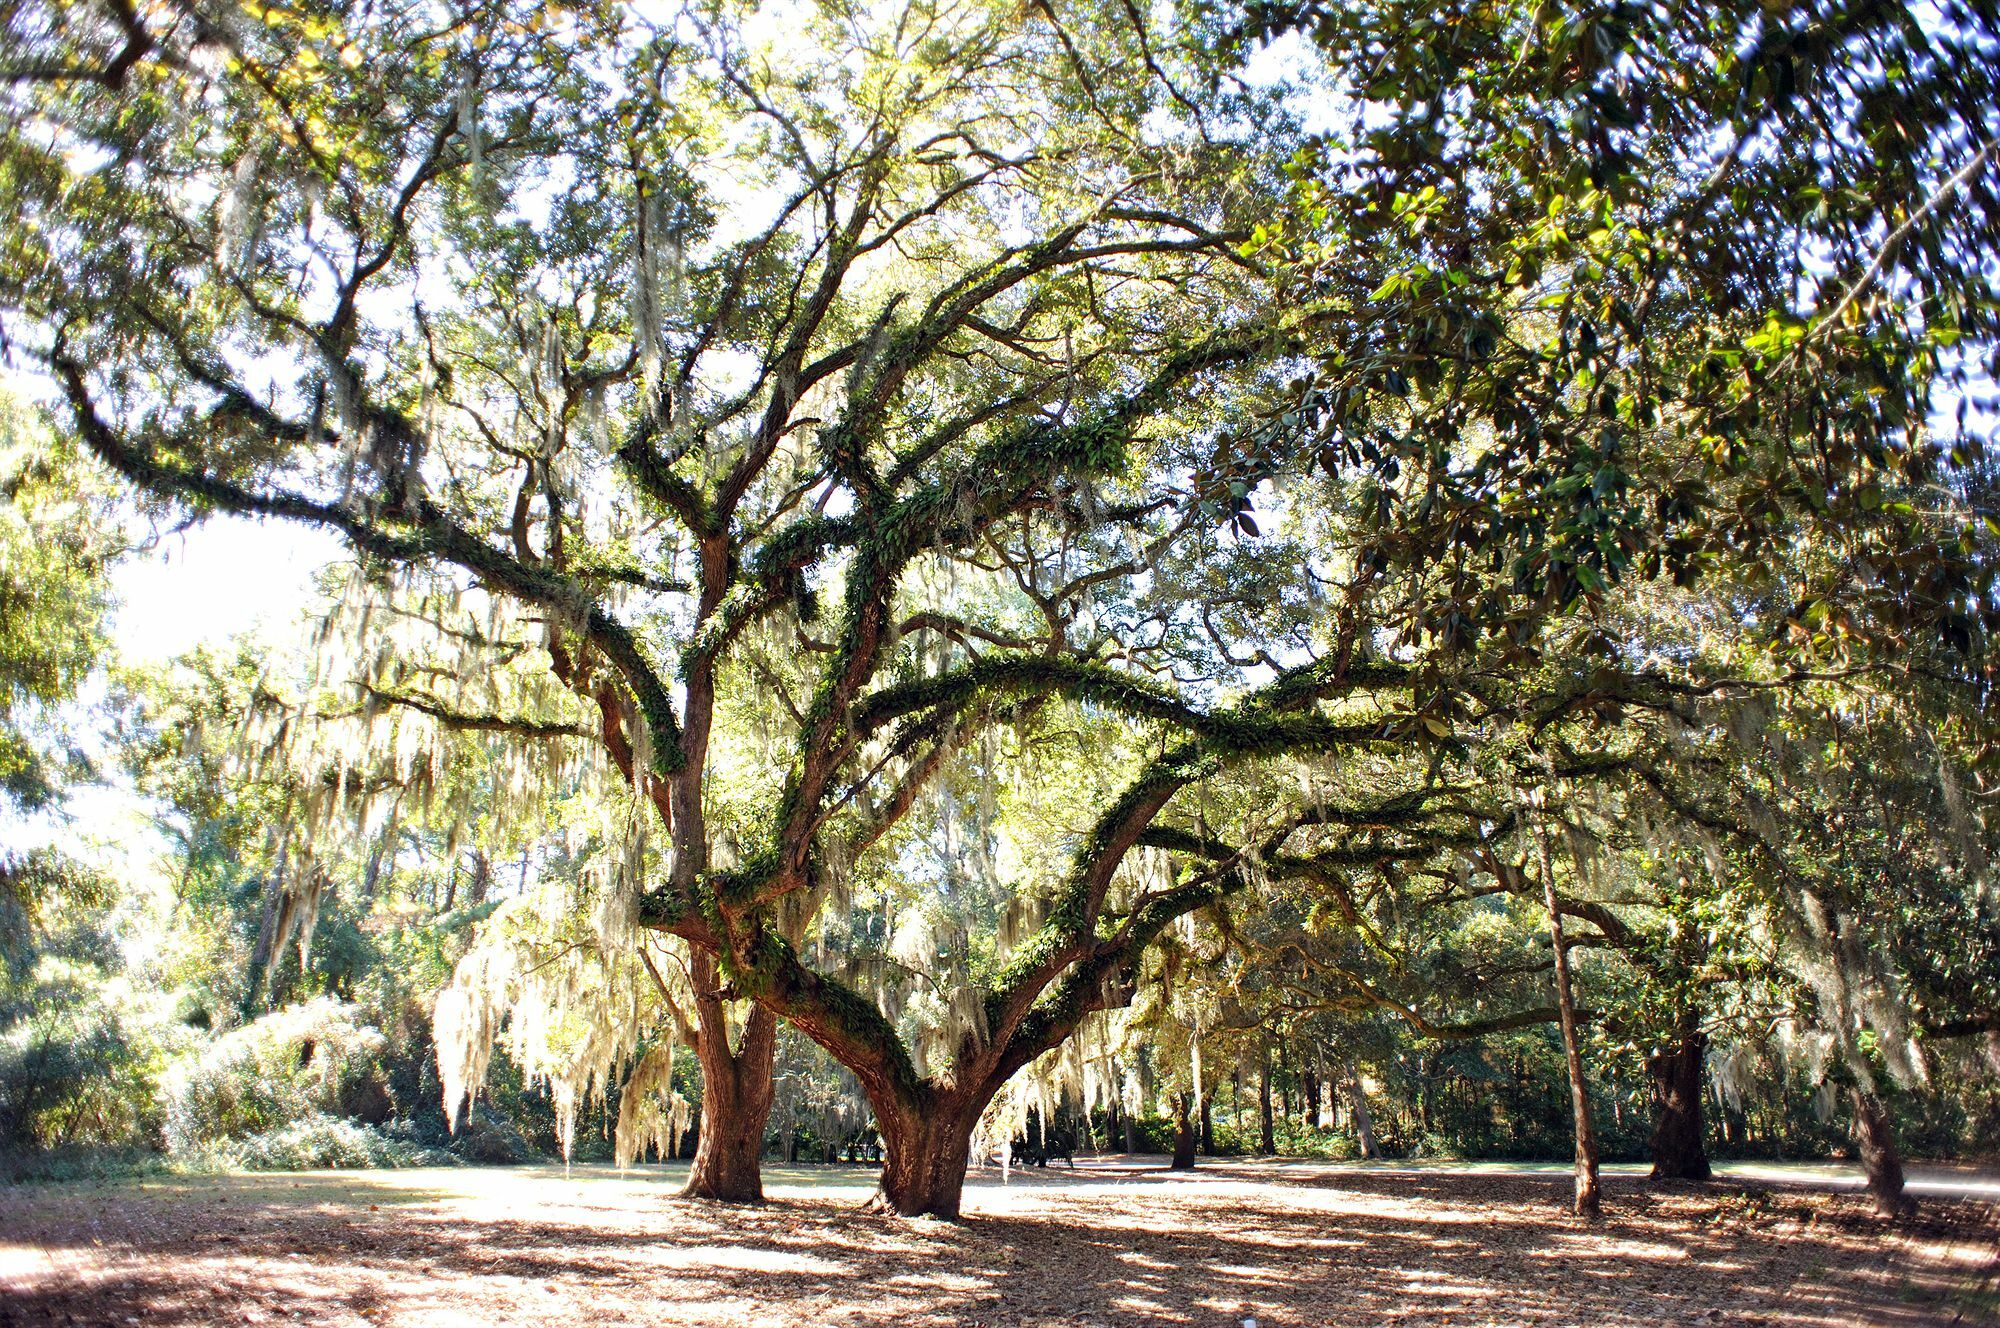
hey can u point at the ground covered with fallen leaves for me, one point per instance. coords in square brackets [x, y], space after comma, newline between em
[1284, 1244]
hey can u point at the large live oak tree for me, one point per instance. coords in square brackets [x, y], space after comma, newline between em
[664, 332]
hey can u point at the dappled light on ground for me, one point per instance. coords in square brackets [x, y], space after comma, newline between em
[1283, 1245]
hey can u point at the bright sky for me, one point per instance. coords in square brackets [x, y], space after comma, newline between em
[215, 582]
[202, 586]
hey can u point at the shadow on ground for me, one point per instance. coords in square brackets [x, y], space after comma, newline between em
[1283, 1246]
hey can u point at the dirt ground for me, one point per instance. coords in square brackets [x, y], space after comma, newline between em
[1283, 1244]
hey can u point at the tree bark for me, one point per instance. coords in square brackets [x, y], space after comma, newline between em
[1364, 1120]
[1880, 1159]
[736, 1096]
[927, 1147]
[1588, 1204]
[1184, 1135]
[1207, 1126]
[482, 880]
[1131, 1133]
[1680, 1135]
[1267, 1129]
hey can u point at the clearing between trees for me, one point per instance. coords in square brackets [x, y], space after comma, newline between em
[1281, 1243]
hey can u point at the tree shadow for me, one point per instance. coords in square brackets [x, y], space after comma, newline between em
[1443, 1249]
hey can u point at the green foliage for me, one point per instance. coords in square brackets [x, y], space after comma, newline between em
[290, 1066]
[1568, 345]
[83, 1043]
[55, 541]
[317, 1141]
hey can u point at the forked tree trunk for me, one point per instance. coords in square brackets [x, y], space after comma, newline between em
[1876, 1139]
[1680, 1135]
[1184, 1136]
[927, 1148]
[736, 1098]
[1364, 1120]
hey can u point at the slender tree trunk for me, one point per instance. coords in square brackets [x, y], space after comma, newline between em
[1680, 1135]
[1267, 1128]
[1364, 1120]
[262, 954]
[1207, 1126]
[1309, 1090]
[482, 879]
[1587, 1202]
[1880, 1159]
[1286, 1106]
[1131, 1133]
[382, 856]
[691, 1139]
[1184, 1133]
[736, 1096]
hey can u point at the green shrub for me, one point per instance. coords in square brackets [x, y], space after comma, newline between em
[80, 1065]
[313, 1059]
[80, 1162]
[321, 1142]
[490, 1139]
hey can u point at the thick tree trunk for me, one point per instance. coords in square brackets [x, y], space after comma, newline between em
[1364, 1120]
[736, 1097]
[1309, 1091]
[1184, 1136]
[1680, 1136]
[1131, 1140]
[1207, 1126]
[1880, 1159]
[928, 1147]
[1588, 1203]
[1267, 1127]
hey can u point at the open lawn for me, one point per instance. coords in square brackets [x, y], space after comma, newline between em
[1285, 1244]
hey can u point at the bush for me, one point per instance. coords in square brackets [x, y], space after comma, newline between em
[79, 1162]
[80, 1067]
[305, 1061]
[321, 1142]
[492, 1140]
